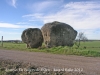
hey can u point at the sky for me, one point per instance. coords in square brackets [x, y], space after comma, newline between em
[18, 15]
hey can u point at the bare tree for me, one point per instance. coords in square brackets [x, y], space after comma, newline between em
[80, 37]
[84, 38]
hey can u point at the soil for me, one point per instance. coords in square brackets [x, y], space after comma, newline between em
[69, 63]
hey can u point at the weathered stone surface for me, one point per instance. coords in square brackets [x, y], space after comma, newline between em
[58, 34]
[32, 37]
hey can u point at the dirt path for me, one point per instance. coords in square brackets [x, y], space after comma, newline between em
[89, 65]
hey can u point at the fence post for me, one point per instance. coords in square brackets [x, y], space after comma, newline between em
[2, 41]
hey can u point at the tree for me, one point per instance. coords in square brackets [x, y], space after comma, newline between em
[80, 37]
[84, 38]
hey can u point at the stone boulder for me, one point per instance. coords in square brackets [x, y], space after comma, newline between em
[32, 37]
[58, 34]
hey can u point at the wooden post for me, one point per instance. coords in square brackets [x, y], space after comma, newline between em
[2, 41]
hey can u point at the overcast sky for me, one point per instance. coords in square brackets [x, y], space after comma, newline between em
[17, 15]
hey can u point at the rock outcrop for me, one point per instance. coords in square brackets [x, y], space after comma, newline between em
[32, 37]
[58, 34]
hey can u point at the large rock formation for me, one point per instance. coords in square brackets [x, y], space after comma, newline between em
[58, 34]
[32, 37]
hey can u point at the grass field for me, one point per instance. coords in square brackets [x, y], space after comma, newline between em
[92, 49]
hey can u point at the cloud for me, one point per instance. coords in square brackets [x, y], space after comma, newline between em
[80, 15]
[42, 6]
[23, 23]
[10, 33]
[82, 5]
[36, 15]
[9, 25]
[12, 3]
[11, 36]
[91, 33]
[83, 16]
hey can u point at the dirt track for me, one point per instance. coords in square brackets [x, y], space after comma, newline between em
[90, 65]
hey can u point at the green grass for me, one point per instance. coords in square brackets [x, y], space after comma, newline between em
[92, 49]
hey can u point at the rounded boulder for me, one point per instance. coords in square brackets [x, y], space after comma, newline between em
[58, 34]
[32, 37]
